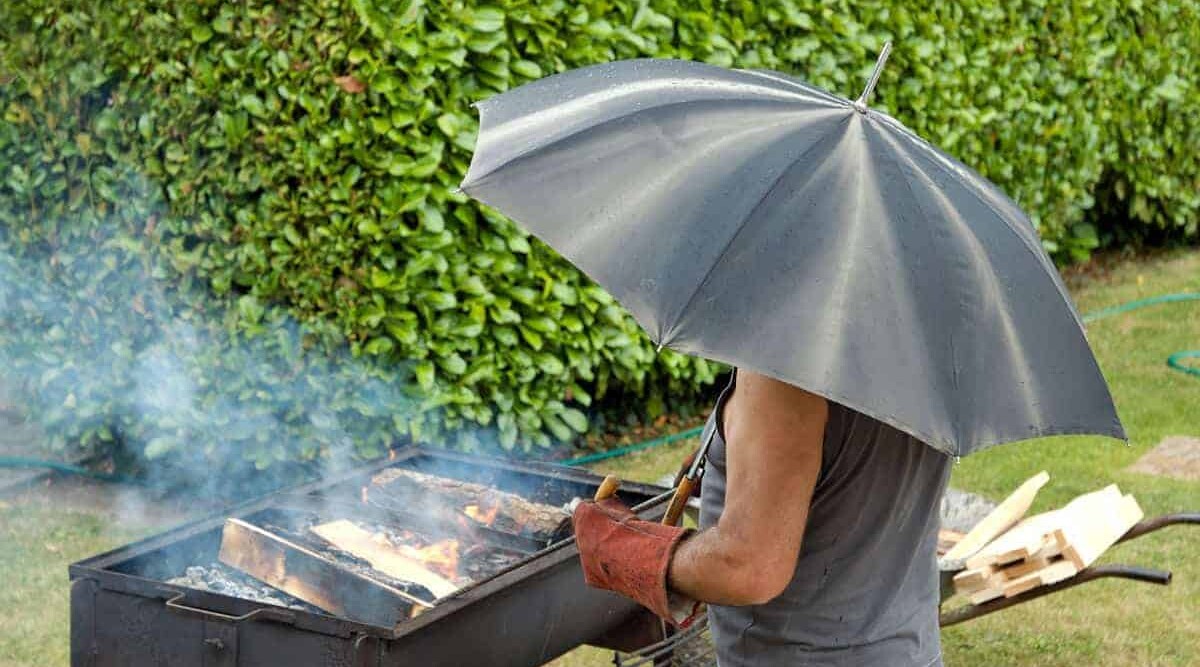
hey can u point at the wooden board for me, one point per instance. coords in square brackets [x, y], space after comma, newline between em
[946, 539]
[969, 581]
[1026, 538]
[1095, 525]
[993, 576]
[352, 539]
[313, 578]
[1021, 552]
[1006, 514]
[1028, 566]
[1049, 547]
[1051, 574]
[986, 594]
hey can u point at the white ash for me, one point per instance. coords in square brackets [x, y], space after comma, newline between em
[217, 578]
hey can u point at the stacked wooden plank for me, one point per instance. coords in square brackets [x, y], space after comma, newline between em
[1048, 548]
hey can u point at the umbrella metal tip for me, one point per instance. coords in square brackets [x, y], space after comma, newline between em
[860, 104]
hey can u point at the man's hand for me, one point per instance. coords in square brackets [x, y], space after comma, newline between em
[774, 434]
[625, 554]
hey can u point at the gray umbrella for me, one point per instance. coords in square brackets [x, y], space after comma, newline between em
[753, 219]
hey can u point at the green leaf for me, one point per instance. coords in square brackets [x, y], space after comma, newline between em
[556, 427]
[440, 300]
[487, 19]
[453, 364]
[432, 220]
[379, 346]
[526, 68]
[549, 364]
[575, 419]
[425, 373]
[158, 447]
[253, 104]
[518, 244]
[201, 33]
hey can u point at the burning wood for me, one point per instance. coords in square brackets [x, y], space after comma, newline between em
[313, 578]
[400, 561]
[486, 517]
[411, 492]
[419, 539]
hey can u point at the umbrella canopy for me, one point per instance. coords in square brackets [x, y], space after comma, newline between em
[753, 219]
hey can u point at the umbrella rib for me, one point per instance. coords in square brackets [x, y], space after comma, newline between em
[908, 185]
[798, 85]
[938, 160]
[670, 329]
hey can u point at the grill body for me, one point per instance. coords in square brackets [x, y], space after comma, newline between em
[123, 614]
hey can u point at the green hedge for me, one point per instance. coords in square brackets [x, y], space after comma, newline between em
[254, 164]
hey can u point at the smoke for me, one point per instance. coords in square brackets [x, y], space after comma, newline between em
[223, 398]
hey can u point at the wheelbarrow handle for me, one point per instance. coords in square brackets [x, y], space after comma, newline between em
[1135, 573]
[1151, 525]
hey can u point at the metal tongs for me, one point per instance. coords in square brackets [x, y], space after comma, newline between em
[683, 491]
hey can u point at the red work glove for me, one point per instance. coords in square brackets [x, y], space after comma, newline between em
[627, 555]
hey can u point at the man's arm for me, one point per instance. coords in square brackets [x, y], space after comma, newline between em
[774, 433]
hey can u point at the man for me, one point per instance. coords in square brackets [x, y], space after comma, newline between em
[817, 541]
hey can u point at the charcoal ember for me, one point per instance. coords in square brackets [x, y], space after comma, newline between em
[481, 561]
[218, 578]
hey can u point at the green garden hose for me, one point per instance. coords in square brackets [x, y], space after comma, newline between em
[1141, 303]
[629, 449]
[1175, 361]
[58, 466]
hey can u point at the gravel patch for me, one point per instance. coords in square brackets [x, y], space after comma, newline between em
[1177, 456]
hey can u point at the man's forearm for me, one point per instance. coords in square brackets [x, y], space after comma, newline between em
[719, 567]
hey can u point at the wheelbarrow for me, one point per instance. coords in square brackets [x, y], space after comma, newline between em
[693, 647]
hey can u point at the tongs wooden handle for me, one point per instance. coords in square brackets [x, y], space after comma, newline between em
[683, 493]
[608, 488]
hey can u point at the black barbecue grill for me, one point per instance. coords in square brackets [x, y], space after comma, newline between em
[125, 612]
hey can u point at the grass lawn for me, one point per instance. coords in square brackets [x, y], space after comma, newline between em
[36, 545]
[1106, 622]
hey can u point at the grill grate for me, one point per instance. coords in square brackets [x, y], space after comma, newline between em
[692, 647]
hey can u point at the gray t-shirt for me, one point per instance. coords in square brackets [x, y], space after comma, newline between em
[865, 591]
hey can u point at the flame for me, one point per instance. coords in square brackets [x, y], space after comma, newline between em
[486, 517]
[440, 557]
